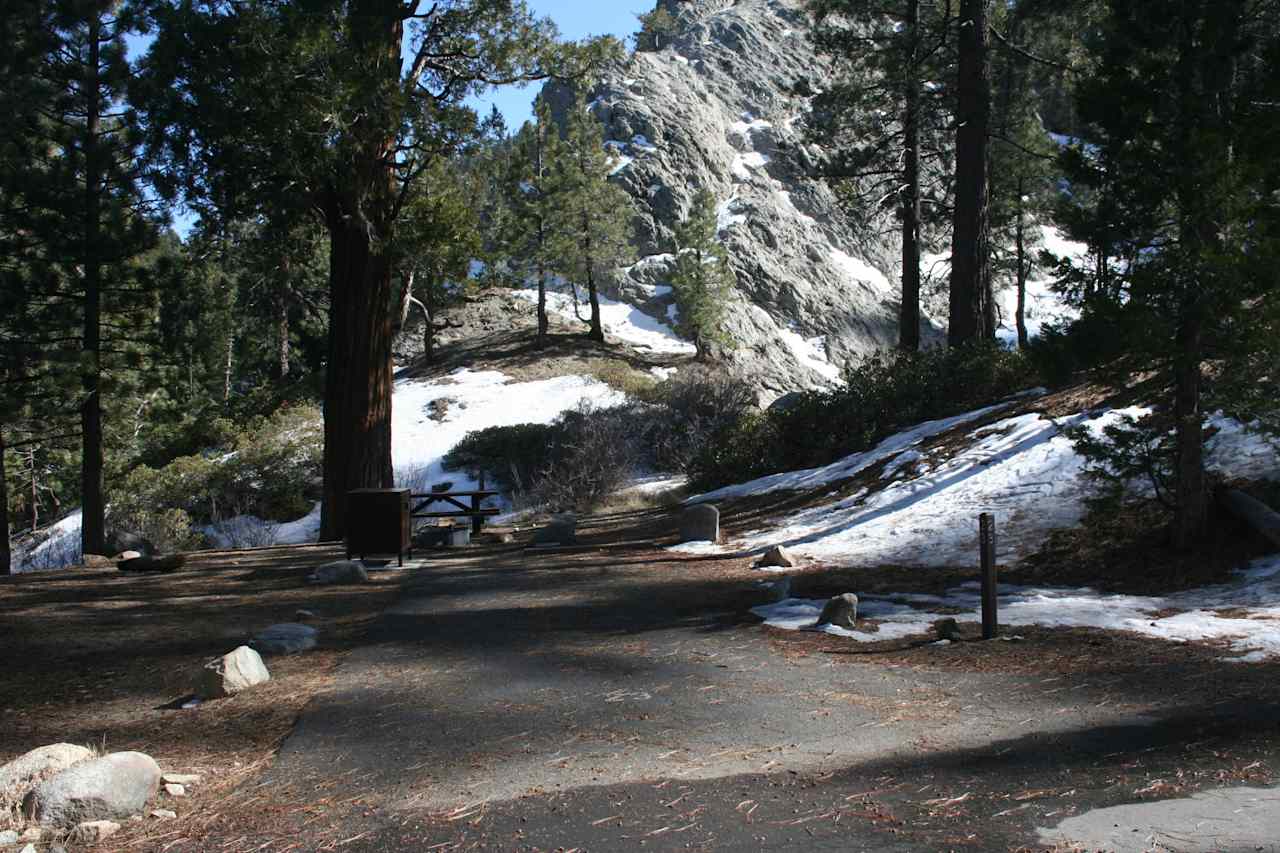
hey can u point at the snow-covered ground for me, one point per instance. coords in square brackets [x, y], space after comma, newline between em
[619, 320]
[1244, 612]
[467, 400]
[1023, 469]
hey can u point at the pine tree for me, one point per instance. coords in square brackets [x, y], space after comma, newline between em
[439, 239]
[344, 103]
[886, 96]
[88, 220]
[591, 228]
[702, 280]
[1181, 128]
[657, 27]
[531, 199]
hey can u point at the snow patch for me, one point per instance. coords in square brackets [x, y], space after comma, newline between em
[862, 271]
[811, 352]
[622, 321]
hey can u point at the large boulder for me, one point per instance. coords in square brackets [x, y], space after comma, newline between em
[841, 611]
[700, 523]
[25, 772]
[286, 638]
[237, 670]
[114, 786]
[561, 530]
[777, 557]
[339, 572]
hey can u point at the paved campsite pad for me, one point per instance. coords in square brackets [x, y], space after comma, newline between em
[616, 698]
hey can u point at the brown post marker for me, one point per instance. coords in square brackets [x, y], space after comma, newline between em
[987, 544]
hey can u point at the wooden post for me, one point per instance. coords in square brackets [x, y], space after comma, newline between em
[987, 544]
[477, 520]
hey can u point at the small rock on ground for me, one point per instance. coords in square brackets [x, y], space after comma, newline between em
[180, 779]
[31, 848]
[777, 556]
[339, 572]
[95, 830]
[841, 611]
[235, 671]
[286, 638]
[175, 790]
[164, 814]
[9, 837]
[947, 629]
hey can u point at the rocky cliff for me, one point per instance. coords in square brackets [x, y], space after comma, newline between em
[723, 104]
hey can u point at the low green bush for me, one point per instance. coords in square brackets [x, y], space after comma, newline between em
[885, 392]
[268, 469]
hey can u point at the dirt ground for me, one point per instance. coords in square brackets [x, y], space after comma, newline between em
[104, 659]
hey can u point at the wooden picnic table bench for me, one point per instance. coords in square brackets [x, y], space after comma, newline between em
[469, 509]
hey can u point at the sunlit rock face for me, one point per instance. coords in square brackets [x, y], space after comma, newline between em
[724, 105]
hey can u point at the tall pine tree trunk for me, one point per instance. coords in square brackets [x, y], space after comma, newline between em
[970, 314]
[544, 325]
[357, 400]
[1023, 270]
[909, 314]
[597, 331]
[1192, 500]
[282, 320]
[360, 215]
[6, 554]
[93, 507]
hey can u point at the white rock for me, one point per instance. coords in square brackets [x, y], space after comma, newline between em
[237, 670]
[114, 786]
[339, 572]
[25, 772]
[89, 831]
[180, 779]
[287, 638]
[175, 790]
[9, 837]
[31, 848]
[164, 814]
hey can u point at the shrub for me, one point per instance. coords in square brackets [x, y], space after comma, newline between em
[514, 456]
[269, 471]
[886, 391]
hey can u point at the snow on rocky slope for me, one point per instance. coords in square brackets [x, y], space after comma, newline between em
[723, 107]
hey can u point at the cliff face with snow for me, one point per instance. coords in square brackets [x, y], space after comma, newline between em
[723, 105]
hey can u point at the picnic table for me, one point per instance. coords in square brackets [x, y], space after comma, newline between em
[465, 504]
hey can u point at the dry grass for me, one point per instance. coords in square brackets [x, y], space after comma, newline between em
[103, 658]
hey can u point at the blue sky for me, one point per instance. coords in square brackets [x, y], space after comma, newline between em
[576, 19]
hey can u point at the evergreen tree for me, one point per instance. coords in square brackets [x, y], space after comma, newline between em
[657, 27]
[886, 96]
[256, 103]
[531, 199]
[1181, 126]
[702, 280]
[87, 220]
[439, 239]
[1022, 157]
[591, 230]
